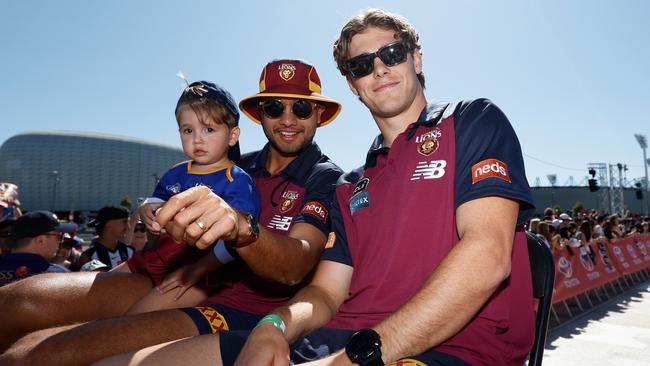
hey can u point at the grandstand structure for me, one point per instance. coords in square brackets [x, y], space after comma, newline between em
[78, 171]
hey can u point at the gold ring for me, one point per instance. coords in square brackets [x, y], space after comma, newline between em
[200, 224]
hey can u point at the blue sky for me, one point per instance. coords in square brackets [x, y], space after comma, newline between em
[573, 77]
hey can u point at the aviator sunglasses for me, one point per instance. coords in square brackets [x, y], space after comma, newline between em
[273, 108]
[391, 54]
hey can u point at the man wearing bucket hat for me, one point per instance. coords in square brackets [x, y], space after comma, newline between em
[271, 257]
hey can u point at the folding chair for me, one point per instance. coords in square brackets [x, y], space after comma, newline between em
[542, 268]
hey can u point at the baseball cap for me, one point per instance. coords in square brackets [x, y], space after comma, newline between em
[213, 93]
[93, 265]
[109, 213]
[556, 223]
[565, 217]
[290, 79]
[35, 223]
[217, 95]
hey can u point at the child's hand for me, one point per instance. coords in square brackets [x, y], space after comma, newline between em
[182, 278]
[147, 215]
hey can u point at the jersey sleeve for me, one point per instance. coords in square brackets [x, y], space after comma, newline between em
[489, 161]
[319, 194]
[161, 191]
[336, 248]
[242, 194]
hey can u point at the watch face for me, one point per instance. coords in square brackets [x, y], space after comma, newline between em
[363, 345]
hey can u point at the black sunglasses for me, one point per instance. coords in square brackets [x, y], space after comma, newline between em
[391, 54]
[140, 228]
[273, 108]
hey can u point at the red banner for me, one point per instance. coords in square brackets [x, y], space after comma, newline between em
[578, 270]
[630, 254]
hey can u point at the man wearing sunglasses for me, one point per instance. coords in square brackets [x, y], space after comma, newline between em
[270, 258]
[34, 243]
[427, 262]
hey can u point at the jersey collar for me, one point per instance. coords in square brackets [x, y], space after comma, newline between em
[429, 117]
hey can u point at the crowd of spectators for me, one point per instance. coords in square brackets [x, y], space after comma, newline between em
[24, 253]
[576, 229]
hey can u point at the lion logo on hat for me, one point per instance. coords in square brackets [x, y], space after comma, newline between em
[287, 71]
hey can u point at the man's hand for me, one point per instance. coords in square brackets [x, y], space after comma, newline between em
[265, 346]
[199, 217]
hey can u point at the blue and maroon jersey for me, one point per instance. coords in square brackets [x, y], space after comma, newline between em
[231, 183]
[394, 221]
[301, 193]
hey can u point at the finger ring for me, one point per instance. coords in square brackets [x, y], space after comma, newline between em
[200, 224]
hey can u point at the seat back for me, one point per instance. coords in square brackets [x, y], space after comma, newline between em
[542, 267]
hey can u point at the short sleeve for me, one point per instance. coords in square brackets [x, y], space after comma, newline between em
[336, 248]
[160, 191]
[242, 194]
[489, 161]
[319, 194]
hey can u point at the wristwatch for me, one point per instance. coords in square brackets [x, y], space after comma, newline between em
[364, 348]
[253, 231]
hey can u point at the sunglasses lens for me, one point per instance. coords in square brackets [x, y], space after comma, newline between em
[360, 66]
[302, 109]
[390, 55]
[393, 54]
[272, 108]
[139, 229]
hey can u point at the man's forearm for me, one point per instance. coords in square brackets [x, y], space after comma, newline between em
[448, 300]
[310, 309]
[281, 258]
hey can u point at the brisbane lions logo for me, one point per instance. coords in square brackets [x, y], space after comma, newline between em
[288, 198]
[287, 71]
[428, 142]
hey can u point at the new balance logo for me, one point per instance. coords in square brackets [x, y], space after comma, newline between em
[433, 169]
[280, 222]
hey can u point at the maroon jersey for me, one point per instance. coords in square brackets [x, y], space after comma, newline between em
[302, 192]
[394, 222]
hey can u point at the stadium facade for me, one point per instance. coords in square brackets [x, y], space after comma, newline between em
[78, 171]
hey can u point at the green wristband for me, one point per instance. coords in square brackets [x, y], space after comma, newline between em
[275, 320]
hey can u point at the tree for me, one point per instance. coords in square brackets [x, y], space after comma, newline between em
[578, 208]
[126, 202]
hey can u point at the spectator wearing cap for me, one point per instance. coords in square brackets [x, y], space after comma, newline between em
[69, 252]
[35, 240]
[111, 225]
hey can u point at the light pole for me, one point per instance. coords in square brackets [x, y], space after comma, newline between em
[644, 145]
[55, 176]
